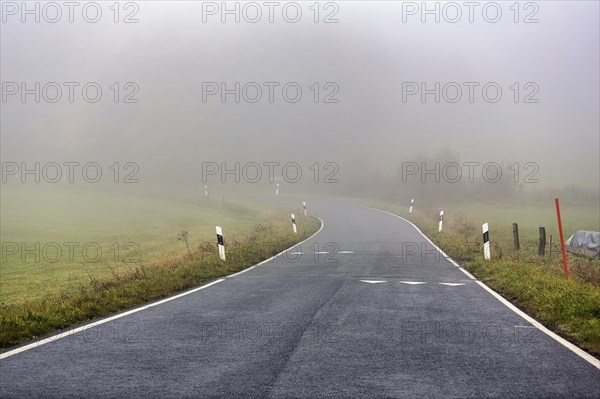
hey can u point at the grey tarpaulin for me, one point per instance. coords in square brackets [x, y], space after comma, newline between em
[584, 241]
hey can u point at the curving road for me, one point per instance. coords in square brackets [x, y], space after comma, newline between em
[367, 307]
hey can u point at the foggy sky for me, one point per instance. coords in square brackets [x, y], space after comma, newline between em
[368, 54]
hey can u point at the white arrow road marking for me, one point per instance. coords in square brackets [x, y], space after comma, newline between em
[346, 252]
[452, 284]
[373, 281]
[413, 282]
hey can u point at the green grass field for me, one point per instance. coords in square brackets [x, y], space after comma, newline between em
[528, 218]
[127, 229]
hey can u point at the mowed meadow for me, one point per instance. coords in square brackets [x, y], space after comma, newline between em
[70, 256]
[470, 216]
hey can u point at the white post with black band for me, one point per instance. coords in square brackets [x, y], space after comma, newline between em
[304, 206]
[220, 243]
[441, 221]
[412, 201]
[277, 189]
[486, 241]
[294, 223]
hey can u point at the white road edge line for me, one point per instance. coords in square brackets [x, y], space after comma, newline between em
[64, 334]
[102, 321]
[573, 348]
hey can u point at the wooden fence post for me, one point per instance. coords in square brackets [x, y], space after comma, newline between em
[542, 247]
[516, 236]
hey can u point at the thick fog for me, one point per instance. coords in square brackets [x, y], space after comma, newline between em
[370, 62]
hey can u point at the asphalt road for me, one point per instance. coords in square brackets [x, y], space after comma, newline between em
[379, 313]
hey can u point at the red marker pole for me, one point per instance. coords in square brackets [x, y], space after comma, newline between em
[562, 238]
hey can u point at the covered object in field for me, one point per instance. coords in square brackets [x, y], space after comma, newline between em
[584, 242]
